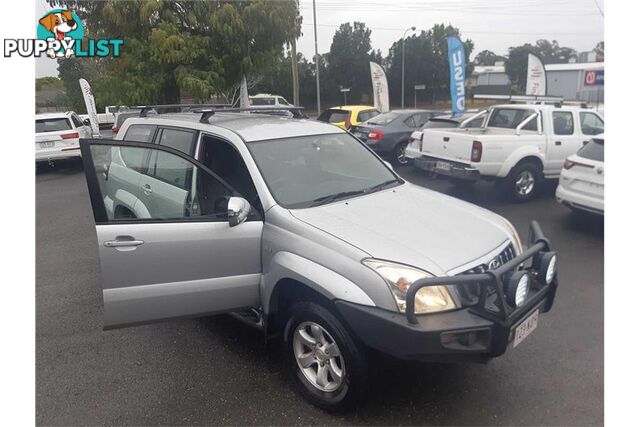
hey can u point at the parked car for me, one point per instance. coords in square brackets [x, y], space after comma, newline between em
[106, 119]
[518, 145]
[348, 115]
[58, 135]
[297, 227]
[581, 185]
[269, 100]
[388, 133]
[125, 114]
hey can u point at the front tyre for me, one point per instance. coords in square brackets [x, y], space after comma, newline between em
[323, 360]
[523, 182]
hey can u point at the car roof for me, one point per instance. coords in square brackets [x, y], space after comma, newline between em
[250, 127]
[56, 115]
[543, 107]
[352, 107]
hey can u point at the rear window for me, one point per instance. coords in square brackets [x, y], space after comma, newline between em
[593, 150]
[366, 115]
[333, 116]
[440, 123]
[263, 101]
[510, 118]
[383, 119]
[52, 125]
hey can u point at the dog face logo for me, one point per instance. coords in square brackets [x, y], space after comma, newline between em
[60, 25]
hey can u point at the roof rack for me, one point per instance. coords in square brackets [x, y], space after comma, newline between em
[522, 98]
[208, 110]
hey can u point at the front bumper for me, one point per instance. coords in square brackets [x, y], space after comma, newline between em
[472, 334]
[455, 170]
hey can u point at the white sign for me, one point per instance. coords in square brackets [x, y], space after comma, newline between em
[536, 77]
[380, 88]
[90, 103]
[244, 94]
[420, 87]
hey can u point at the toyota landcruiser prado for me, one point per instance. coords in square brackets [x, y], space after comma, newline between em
[300, 229]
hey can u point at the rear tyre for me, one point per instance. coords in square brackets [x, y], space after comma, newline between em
[324, 362]
[523, 182]
[399, 157]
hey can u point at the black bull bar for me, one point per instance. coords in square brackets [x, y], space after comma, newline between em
[506, 315]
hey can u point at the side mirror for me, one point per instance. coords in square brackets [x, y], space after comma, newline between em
[237, 210]
[86, 122]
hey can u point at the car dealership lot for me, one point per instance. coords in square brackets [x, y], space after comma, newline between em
[217, 371]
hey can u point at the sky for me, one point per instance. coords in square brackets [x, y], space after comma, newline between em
[491, 24]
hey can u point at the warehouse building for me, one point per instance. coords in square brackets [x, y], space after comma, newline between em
[578, 81]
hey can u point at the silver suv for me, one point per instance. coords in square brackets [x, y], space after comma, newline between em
[300, 229]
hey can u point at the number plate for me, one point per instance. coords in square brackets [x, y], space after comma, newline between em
[525, 328]
[47, 144]
[445, 166]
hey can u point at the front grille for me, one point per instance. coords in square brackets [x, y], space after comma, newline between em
[470, 293]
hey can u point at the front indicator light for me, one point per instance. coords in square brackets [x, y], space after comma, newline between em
[399, 278]
[518, 288]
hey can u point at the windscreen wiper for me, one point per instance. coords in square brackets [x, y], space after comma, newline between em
[333, 197]
[381, 186]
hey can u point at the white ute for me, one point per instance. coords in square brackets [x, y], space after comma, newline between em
[518, 145]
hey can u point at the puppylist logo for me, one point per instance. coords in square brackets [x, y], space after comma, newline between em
[60, 35]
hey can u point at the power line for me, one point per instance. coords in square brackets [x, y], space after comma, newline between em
[599, 8]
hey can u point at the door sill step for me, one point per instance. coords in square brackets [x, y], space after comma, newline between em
[252, 317]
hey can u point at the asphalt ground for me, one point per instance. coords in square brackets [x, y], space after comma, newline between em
[217, 371]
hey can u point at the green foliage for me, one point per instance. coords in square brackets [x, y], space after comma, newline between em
[202, 48]
[487, 57]
[48, 83]
[426, 62]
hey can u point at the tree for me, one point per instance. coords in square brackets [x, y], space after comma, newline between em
[426, 62]
[599, 50]
[487, 57]
[348, 63]
[202, 48]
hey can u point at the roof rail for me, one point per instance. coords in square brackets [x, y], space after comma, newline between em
[209, 110]
[522, 98]
[144, 109]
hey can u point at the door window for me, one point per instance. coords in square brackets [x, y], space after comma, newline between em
[140, 133]
[180, 139]
[563, 123]
[171, 188]
[591, 124]
[410, 121]
[76, 121]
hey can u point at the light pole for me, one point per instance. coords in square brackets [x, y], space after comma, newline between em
[315, 38]
[403, 36]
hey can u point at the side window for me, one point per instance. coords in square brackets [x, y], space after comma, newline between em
[591, 124]
[140, 133]
[563, 123]
[410, 121]
[532, 125]
[182, 140]
[176, 190]
[76, 121]
[422, 118]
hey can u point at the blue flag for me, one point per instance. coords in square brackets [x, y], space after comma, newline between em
[457, 68]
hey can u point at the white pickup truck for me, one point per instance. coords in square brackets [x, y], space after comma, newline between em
[518, 145]
[106, 119]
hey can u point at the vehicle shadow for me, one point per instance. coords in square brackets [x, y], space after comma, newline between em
[59, 167]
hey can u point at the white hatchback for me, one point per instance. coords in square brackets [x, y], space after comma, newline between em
[581, 184]
[58, 135]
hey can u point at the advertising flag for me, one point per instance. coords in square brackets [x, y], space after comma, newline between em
[90, 103]
[380, 88]
[536, 76]
[457, 67]
[244, 94]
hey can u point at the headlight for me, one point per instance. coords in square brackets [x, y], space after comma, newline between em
[399, 277]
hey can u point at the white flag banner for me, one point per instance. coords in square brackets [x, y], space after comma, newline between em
[536, 76]
[90, 103]
[244, 94]
[380, 88]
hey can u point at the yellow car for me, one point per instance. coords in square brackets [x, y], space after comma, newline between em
[348, 115]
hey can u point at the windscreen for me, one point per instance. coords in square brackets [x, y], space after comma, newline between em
[301, 170]
[52, 125]
[593, 150]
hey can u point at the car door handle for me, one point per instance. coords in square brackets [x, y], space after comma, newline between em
[122, 242]
[147, 189]
[445, 139]
[558, 142]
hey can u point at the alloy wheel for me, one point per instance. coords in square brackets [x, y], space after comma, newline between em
[525, 182]
[318, 356]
